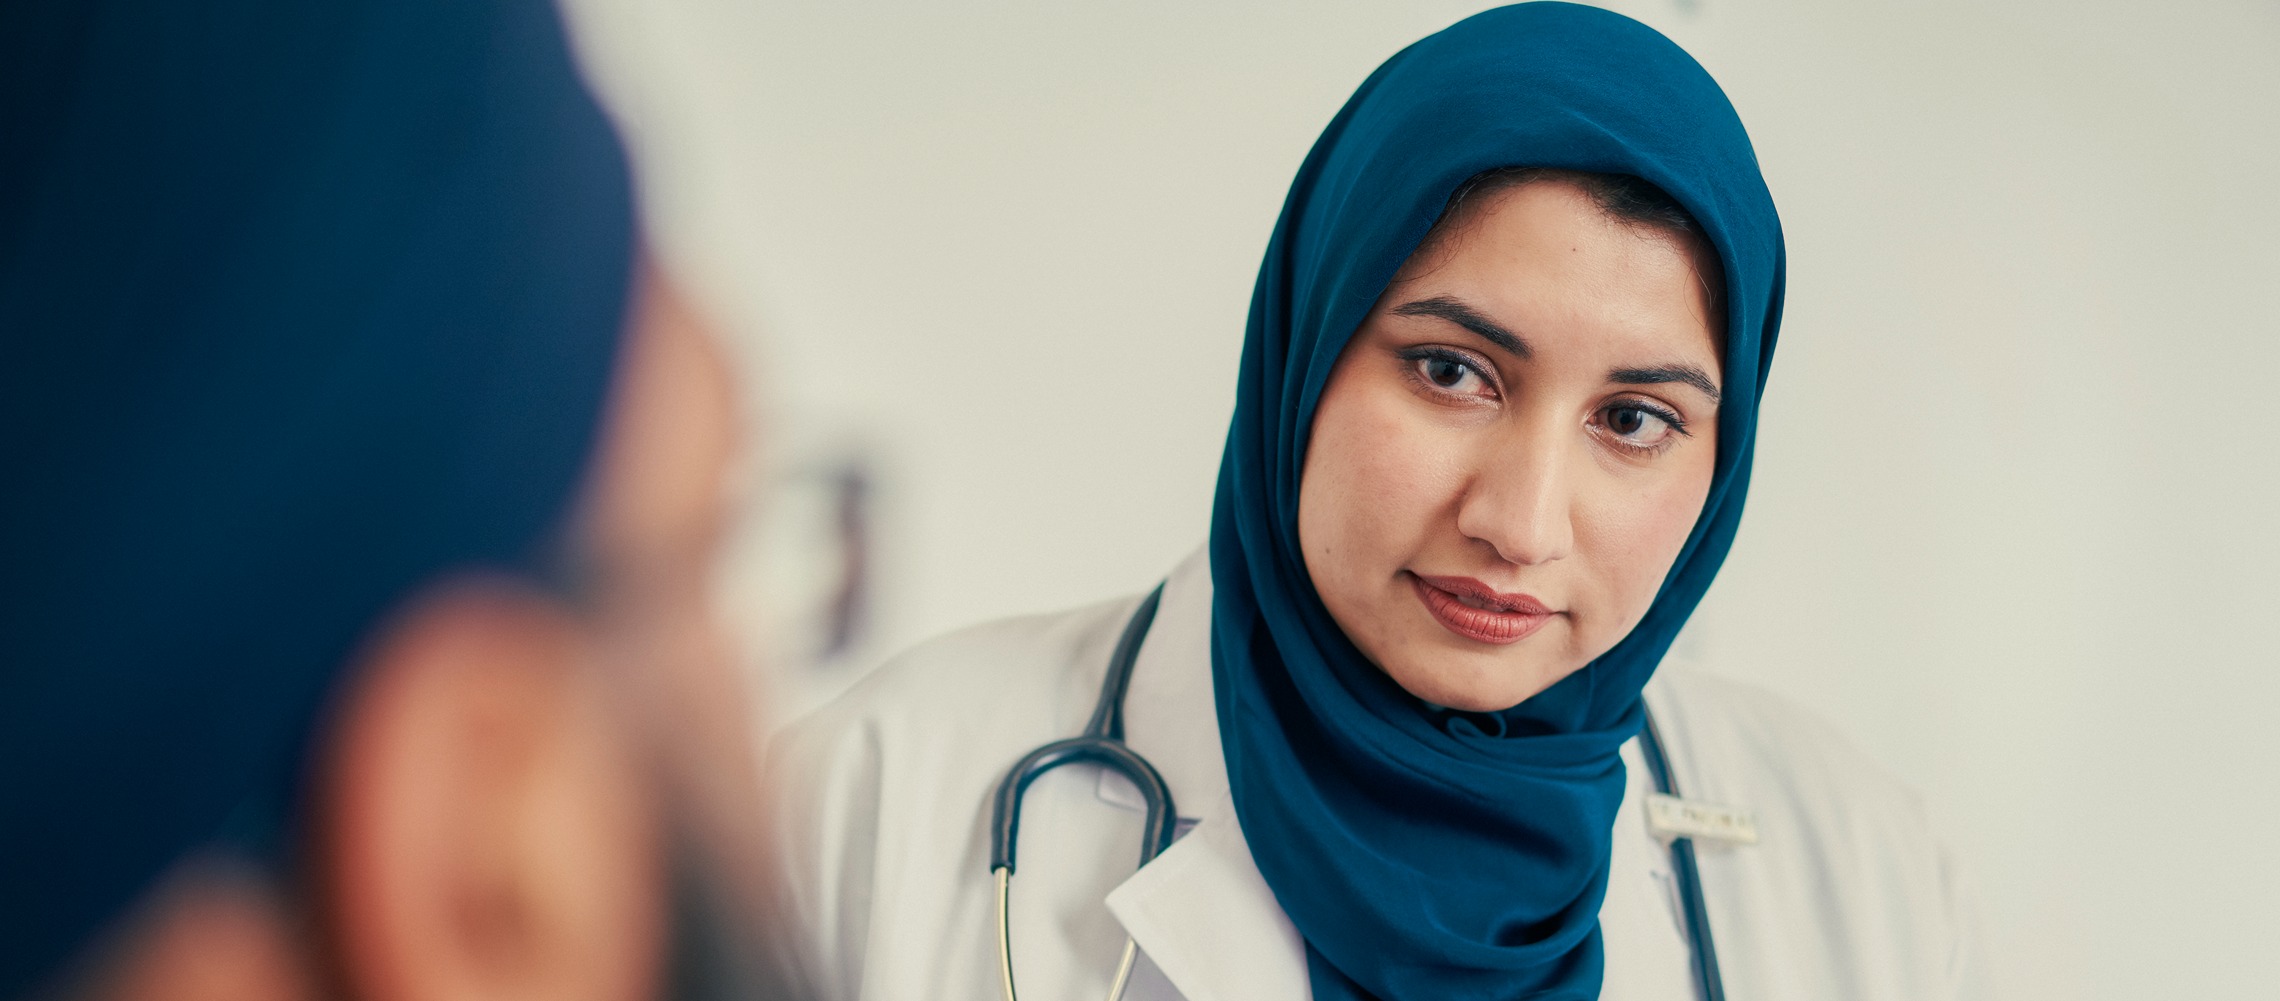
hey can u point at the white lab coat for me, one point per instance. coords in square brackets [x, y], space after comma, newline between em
[883, 801]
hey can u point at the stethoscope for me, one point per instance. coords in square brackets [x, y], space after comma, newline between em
[1102, 743]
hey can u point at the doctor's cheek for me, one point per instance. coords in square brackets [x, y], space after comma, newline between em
[1378, 491]
[1633, 531]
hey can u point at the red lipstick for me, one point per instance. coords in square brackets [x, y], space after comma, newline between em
[1475, 611]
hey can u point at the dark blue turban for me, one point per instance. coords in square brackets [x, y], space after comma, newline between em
[302, 304]
[1423, 855]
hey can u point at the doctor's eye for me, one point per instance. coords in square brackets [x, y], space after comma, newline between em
[1448, 372]
[1641, 426]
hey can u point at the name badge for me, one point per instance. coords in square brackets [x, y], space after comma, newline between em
[1670, 817]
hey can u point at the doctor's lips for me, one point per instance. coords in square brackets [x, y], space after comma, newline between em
[1476, 611]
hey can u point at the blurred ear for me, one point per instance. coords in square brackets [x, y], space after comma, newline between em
[483, 828]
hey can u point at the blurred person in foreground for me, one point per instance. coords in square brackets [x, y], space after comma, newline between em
[361, 487]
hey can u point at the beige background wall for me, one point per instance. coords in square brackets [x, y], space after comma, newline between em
[2015, 523]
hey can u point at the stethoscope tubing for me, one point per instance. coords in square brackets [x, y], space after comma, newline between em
[1689, 874]
[1101, 743]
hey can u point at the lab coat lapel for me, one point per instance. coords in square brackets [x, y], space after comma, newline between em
[1208, 921]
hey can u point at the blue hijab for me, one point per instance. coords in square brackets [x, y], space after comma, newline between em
[1423, 855]
[301, 306]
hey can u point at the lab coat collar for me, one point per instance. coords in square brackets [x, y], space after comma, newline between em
[1205, 891]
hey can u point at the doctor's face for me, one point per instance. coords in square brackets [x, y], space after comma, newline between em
[1515, 446]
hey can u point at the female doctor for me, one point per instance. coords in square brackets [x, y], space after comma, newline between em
[1491, 441]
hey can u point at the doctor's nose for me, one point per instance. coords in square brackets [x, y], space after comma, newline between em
[1520, 501]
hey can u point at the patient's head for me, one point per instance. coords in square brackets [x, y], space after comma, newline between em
[356, 630]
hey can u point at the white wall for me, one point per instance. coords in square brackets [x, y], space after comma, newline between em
[2014, 519]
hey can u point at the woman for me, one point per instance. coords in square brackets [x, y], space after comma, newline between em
[1491, 441]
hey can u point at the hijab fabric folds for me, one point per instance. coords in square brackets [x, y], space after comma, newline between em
[1423, 855]
[302, 305]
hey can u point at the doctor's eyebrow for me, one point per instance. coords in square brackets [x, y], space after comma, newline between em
[1462, 314]
[1687, 374]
